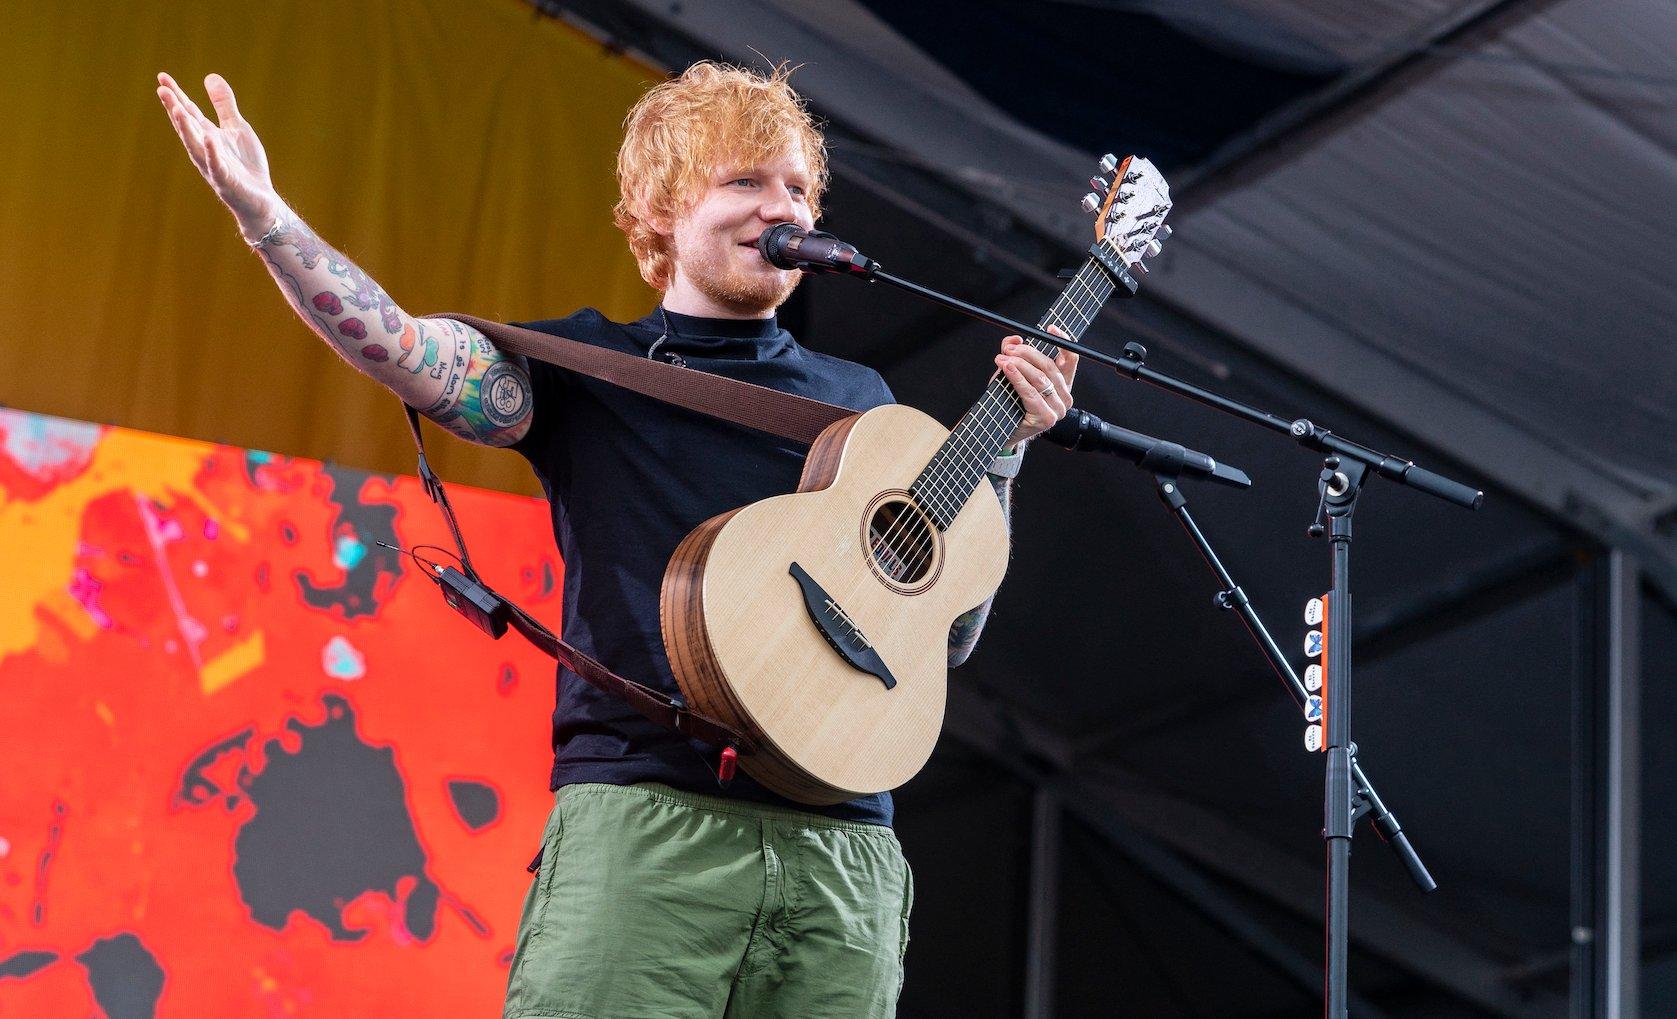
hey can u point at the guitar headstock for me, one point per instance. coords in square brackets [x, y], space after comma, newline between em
[1130, 202]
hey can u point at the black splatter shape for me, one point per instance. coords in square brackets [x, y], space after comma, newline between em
[125, 977]
[469, 915]
[23, 964]
[331, 822]
[196, 787]
[358, 593]
[419, 915]
[44, 862]
[476, 803]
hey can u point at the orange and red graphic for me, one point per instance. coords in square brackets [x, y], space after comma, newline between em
[250, 763]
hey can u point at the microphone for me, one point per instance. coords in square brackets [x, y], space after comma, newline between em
[1083, 431]
[790, 246]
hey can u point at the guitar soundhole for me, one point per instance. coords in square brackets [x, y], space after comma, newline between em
[903, 541]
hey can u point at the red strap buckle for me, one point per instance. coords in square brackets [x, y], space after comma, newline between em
[725, 767]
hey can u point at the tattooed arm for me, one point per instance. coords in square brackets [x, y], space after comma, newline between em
[446, 369]
[963, 635]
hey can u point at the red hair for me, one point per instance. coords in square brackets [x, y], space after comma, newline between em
[685, 129]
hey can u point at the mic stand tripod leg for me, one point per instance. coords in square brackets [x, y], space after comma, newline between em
[1347, 784]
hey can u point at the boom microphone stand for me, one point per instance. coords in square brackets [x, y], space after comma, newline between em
[1167, 480]
[1345, 470]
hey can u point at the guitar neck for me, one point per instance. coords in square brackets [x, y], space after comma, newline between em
[955, 471]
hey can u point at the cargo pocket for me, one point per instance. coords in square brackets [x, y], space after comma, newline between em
[908, 906]
[526, 977]
[545, 865]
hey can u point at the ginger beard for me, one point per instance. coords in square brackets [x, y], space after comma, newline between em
[713, 238]
[734, 277]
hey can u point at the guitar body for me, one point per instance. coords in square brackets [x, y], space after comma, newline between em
[775, 655]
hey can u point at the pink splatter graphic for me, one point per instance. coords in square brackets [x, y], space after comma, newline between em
[212, 530]
[161, 530]
[85, 589]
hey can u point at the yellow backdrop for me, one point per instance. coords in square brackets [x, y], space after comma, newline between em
[460, 152]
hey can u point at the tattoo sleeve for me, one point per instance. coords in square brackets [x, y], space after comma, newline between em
[963, 634]
[449, 371]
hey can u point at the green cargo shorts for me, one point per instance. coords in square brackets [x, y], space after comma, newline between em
[651, 903]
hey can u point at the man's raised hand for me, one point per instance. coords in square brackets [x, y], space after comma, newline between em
[228, 154]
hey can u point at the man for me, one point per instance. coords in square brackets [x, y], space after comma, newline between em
[658, 893]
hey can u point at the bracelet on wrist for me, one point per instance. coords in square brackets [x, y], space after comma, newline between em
[282, 216]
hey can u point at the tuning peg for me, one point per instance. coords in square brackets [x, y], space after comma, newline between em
[1091, 202]
[1140, 267]
[1099, 184]
[1124, 196]
[1132, 176]
[1163, 233]
[1151, 249]
[1109, 162]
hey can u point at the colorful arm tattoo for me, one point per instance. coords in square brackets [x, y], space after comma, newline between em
[318, 282]
[464, 382]
[963, 634]
[486, 397]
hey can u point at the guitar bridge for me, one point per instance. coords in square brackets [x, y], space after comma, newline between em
[840, 630]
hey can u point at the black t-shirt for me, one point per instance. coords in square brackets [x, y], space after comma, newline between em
[628, 477]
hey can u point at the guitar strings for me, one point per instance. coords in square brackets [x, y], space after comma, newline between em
[938, 494]
[937, 483]
[997, 423]
[967, 448]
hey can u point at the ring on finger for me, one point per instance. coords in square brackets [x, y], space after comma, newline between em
[1047, 390]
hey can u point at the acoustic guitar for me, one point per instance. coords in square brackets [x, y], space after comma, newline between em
[817, 622]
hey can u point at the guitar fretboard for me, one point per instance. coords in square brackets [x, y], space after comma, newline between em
[954, 473]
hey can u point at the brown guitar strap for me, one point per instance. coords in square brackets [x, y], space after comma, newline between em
[792, 417]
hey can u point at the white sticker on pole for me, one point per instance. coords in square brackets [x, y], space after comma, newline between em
[1313, 738]
[1313, 678]
[1313, 643]
[1313, 612]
